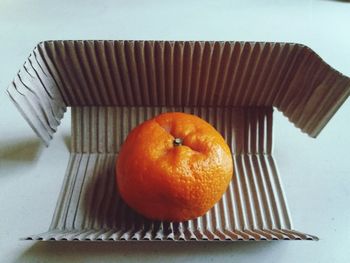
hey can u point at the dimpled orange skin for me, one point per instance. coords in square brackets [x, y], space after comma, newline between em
[163, 181]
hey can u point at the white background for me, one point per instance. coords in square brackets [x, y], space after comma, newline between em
[315, 173]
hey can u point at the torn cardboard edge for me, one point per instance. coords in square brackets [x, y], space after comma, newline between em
[103, 78]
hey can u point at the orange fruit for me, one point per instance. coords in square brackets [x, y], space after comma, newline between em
[174, 167]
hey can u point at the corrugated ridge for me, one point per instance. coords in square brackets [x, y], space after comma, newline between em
[90, 208]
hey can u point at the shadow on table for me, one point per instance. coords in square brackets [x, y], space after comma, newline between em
[138, 251]
[13, 153]
[21, 150]
[67, 141]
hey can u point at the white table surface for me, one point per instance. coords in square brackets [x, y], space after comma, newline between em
[315, 173]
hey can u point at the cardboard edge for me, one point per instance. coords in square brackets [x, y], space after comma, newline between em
[287, 235]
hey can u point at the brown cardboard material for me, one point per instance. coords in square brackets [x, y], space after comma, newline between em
[114, 85]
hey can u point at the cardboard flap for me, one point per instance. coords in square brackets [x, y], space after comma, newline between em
[290, 77]
[36, 93]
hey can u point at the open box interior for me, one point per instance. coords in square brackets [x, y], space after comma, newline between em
[114, 85]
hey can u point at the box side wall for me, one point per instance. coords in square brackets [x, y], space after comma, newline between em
[290, 77]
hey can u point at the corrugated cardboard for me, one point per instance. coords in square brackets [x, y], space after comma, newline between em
[114, 85]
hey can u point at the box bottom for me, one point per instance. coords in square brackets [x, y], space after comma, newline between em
[90, 208]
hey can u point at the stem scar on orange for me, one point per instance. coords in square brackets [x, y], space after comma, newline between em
[174, 167]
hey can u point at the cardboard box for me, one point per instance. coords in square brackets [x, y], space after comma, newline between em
[112, 86]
